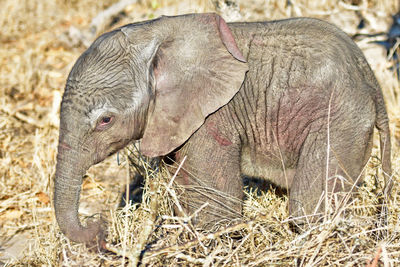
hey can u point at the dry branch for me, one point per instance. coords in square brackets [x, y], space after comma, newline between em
[175, 248]
[134, 254]
[104, 17]
[374, 262]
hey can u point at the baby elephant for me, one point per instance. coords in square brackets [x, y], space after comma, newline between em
[291, 101]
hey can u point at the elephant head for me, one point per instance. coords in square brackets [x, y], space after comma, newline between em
[156, 81]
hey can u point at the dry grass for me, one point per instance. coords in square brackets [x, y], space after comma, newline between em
[39, 45]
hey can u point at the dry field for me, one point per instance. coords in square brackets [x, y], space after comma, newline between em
[39, 42]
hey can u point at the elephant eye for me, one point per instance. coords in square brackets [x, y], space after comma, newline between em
[104, 122]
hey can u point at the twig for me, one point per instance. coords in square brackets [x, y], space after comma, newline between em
[21, 117]
[134, 254]
[247, 225]
[189, 258]
[172, 193]
[98, 23]
[105, 16]
[374, 262]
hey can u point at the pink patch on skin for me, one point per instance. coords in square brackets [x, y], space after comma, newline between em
[213, 131]
[185, 177]
[65, 146]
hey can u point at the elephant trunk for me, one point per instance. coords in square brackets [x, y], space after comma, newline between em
[71, 166]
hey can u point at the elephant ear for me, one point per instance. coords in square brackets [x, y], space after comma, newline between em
[197, 70]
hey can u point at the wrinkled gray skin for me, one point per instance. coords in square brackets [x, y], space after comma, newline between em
[257, 99]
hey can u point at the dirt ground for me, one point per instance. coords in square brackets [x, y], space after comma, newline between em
[39, 43]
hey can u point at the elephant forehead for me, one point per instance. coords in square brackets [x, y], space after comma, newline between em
[94, 83]
[74, 102]
[106, 61]
[90, 101]
[91, 104]
[104, 78]
[99, 74]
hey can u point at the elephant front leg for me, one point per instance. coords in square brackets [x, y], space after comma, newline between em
[209, 184]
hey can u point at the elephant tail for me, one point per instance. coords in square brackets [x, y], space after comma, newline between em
[382, 124]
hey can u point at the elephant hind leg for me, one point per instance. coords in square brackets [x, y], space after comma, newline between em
[320, 185]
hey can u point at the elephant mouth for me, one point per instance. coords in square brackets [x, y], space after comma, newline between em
[116, 146]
